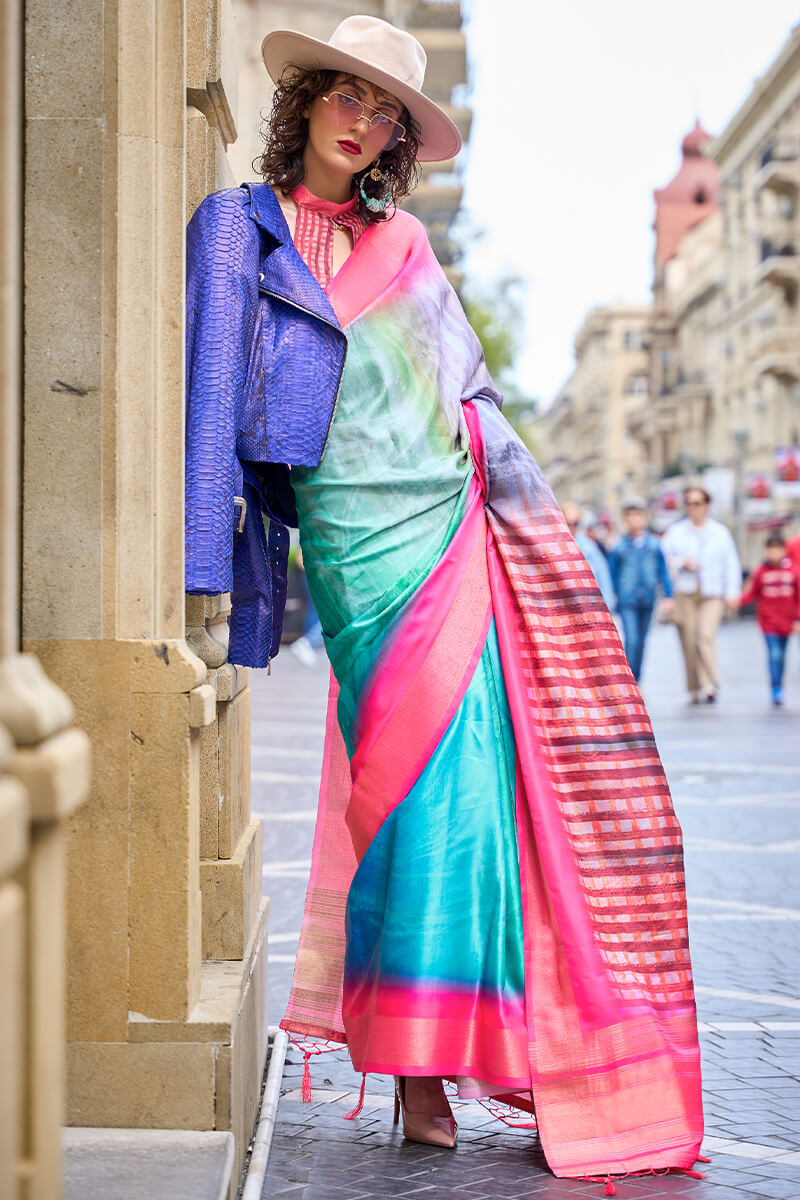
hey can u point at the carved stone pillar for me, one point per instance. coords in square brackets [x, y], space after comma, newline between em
[158, 1034]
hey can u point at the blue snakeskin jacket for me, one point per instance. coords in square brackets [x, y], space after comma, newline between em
[264, 360]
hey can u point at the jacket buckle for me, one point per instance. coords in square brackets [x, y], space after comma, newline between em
[240, 500]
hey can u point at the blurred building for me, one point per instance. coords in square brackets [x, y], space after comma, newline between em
[588, 455]
[680, 294]
[725, 336]
[757, 393]
[438, 26]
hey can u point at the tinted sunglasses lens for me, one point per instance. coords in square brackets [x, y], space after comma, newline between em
[345, 110]
[384, 133]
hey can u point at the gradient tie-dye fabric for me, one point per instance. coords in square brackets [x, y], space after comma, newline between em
[497, 887]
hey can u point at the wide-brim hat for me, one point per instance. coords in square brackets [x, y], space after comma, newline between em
[374, 50]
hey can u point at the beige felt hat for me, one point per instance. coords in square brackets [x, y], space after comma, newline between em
[380, 53]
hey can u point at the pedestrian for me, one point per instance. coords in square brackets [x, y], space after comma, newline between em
[600, 528]
[774, 586]
[490, 774]
[310, 641]
[707, 578]
[592, 553]
[639, 575]
[793, 550]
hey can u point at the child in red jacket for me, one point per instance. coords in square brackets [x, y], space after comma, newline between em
[775, 587]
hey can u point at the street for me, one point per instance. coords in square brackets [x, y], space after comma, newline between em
[733, 769]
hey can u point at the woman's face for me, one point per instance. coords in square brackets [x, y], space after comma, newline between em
[341, 140]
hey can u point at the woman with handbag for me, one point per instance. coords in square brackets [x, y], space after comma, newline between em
[496, 893]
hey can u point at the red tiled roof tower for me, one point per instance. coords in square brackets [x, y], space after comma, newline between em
[689, 197]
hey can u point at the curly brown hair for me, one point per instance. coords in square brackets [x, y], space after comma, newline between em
[285, 132]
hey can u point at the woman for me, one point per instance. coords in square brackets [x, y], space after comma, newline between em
[496, 893]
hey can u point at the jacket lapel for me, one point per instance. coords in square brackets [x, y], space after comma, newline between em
[283, 271]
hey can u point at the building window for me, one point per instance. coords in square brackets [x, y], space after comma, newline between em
[637, 385]
[634, 339]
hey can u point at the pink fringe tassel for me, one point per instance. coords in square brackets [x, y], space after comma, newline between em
[305, 1089]
[349, 1116]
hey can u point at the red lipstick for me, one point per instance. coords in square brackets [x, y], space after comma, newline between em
[350, 147]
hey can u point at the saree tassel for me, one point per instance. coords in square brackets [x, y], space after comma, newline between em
[305, 1087]
[692, 1174]
[702, 1158]
[609, 1189]
[349, 1116]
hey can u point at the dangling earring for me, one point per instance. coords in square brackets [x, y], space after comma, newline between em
[373, 204]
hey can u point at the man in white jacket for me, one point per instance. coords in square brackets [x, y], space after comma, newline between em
[707, 577]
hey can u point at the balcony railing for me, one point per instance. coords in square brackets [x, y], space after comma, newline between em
[783, 149]
[778, 352]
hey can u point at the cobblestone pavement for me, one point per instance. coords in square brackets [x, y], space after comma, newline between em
[733, 769]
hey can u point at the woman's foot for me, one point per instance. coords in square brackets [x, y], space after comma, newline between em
[427, 1116]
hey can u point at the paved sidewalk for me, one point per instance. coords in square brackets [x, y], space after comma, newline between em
[734, 773]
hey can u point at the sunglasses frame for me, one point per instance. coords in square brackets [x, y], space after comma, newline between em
[375, 112]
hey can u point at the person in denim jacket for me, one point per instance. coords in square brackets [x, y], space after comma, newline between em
[639, 572]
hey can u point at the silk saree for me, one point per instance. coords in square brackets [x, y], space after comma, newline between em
[497, 888]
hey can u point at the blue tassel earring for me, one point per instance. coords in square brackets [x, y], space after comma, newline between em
[372, 203]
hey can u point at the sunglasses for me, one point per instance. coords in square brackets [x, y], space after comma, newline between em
[383, 131]
[696, 503]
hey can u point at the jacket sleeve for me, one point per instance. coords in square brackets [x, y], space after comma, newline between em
[614, 565]
[753, 589]
[664, 577]
[221, 305]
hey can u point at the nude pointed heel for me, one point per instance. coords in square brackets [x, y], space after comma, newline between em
[423, 1127]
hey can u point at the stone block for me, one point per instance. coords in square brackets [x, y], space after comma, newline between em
[147, 1164]
[63, 543]
[222, 1088]
[14, 817]
[55, 774]
[162, 1085]
[231, 894]
[42, 879]
[234, 770]
[69, 50]
[199, 608]
[230, 680]
[212, 66]
[249, 1046]
[209, 649]
[96, 676]
[12, 1039]
[11, 56]
[208, 741]
[32, 706]
[231, 1019]
[203, 150]
[202, 706]
[6, 747]
[164, 857]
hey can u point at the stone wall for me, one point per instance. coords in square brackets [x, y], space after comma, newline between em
[129, 107]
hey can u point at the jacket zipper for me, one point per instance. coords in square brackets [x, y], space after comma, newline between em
[330, 324]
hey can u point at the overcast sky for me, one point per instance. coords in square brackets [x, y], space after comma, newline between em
[580, 107]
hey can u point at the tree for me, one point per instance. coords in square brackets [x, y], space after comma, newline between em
[496, 314]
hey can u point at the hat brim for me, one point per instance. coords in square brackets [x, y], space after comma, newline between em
[439, 140]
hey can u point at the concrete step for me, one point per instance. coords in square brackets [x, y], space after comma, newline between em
[146, 1164]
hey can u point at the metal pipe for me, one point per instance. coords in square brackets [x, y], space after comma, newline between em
[254, 1183]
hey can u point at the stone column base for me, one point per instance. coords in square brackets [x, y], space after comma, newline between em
[202, 1073]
